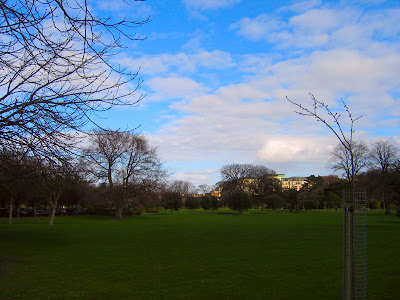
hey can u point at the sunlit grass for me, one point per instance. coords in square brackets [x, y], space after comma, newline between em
[192, 255]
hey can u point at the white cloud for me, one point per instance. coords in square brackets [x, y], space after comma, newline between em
[174, 87]
[210, 4]
[321, 20]
[180, 62]
[197, 177]
[296, 149]
[259, 28]
[342, 27]
[301, 6]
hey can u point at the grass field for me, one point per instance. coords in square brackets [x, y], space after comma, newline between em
[192, 256]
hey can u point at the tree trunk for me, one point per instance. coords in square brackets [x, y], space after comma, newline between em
[118, 213]
[11, 210]
[53, 210]
[34, 208]
[52, 215]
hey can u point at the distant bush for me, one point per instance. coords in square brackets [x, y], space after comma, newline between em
[374, 204]
[309, 204]
[208, 202]
[151, 210]
[133, 211]
[274, 201]
[172, 201]
[192, 202]
[90, 210]
[238, 200]
[291, 199]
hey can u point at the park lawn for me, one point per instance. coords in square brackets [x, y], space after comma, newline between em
[278, 255]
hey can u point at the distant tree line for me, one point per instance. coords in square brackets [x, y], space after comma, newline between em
[374, 168]
[119, 173]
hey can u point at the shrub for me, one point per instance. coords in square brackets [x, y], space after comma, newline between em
[374, 204]
[192, 202]
[309, 204]
[215, 203]
[132, 211]
[208, 202]
[152, 210]
[90, 210]
[291, 199]
[205, 202]
[172, 201]
[274, 201]
[239, 201]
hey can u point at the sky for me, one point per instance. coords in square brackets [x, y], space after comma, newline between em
[216, 74]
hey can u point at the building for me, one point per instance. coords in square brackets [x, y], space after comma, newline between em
[287, 183]
[216, 193]
[293, 183]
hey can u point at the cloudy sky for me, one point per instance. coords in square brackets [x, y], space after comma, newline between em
[216, 74]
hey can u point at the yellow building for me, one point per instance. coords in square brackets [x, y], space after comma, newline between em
[293, 183]
[216, 193]
[287, 183]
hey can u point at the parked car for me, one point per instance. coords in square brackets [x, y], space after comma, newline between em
[76, 211]
[42, 212]
[61, 211]
[3, 212]
[26, 212]
[79, 211]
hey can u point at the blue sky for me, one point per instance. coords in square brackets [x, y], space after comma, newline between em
[216, 74]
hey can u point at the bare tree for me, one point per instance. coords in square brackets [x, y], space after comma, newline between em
[243, 174]
[56, 70]
[205, 188]
[139, 160]
[236, 171]
[182, 187]
[103, 152]
[318, 111]
[384, 156]
[140, 169]
[350, 165]
[125, 161]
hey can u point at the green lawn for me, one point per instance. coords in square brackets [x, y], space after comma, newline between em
[192, 256]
